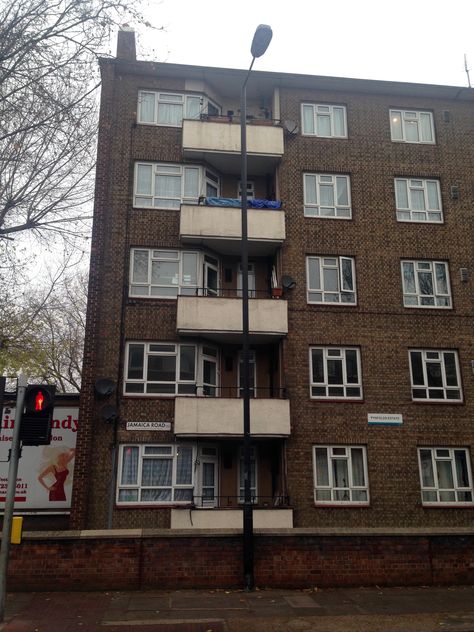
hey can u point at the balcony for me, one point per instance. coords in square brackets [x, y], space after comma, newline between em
[220, 319]
[217, 142]
[222, 417]
[220, 228]
[223, 518]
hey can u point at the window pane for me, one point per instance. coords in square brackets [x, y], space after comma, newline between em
[168, 186]
[426, 128]
[165, 272]
[334, 368]
[351, 366]
[445, 474]
[187, 363]
[409, 277]
[396, 125]
[326, 192]
[425, 279]
[156, 472]
[170, 113]
[184, 465]
[155, 495]
[308, 119]
[433, 198]
[323, 123]
[433, 372]
[340, 474]
[144, 175]
[322, 466]
[129, 465]
[342, 192]
[427, 475]
[339, 123]
[417, 200]
[147, 107]
[450, 369]
[161, 368]
[462, 474]
[313, 272]
[317, 365]
[193, 107]
[140, 266]
[190, 268]
[191, 182]
[411, 131]
[417, 367]
[331, 281]
[347, 281]
[401, 193]
[135, 362]
[441, 279]
[357, 460]
[310, 189]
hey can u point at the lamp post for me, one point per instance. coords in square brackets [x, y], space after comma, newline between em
[260, 42]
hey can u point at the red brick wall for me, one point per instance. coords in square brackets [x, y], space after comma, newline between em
[215, 560]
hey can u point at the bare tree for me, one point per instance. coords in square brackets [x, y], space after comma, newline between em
[48, 109]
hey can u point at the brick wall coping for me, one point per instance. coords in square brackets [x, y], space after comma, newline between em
[121, 534]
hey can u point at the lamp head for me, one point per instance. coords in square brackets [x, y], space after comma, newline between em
[261, 40]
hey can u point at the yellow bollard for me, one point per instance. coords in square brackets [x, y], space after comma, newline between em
[17, 527]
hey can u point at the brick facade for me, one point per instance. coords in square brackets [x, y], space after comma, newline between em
[378, 325]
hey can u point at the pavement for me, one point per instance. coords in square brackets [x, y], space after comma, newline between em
[413, 609]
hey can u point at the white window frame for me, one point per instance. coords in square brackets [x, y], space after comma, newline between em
[150, 199]
[173, 98]
[316, 209]
[182, 285]
[435, 357]
[326, 110]
[407, 118]
[417, 297]
[335, 354]
[170, 452]
[330, 487]
[182, 388]
[331, 297]
[408, 213]
[444, 454]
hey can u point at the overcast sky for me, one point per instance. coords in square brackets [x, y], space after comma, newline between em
[421, 41]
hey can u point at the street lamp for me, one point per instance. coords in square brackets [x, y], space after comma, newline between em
[260, 42]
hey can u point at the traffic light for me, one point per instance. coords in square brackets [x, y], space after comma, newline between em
[35, 426]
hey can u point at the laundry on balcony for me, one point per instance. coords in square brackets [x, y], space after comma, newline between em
[236, 202]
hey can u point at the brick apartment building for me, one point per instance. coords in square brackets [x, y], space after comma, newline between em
[362, 371]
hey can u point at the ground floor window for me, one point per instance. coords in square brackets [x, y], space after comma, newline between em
[156, 474]
[340, 474]
[445, 475]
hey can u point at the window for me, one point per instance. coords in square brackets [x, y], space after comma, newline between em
[327, 195]
[418, 200]
[170, 369]
[445, 475]
[331, 280]
[435, 375]
[169, 109]
[340, 475]
[250, 190]
[335, 373]
[426, 284]
[326, 121]
[159, 185]
[164, 273]
[412, 126]
[156, 474]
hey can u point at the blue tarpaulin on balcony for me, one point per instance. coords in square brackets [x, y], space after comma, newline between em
[235, 202]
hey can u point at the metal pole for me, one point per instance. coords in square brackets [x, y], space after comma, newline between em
[10, 498]
[248, 511]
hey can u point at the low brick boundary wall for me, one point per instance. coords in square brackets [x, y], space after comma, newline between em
[296, 558]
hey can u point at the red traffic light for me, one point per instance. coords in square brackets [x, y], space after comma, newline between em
[39, 399]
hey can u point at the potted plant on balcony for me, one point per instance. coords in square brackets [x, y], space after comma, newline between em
[277, 292]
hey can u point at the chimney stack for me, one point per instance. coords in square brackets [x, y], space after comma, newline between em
[126, 44]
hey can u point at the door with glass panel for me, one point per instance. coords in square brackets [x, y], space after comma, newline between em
[251, 280]
[211, 276]
[252, 375]
[208, 474]
[209, 371]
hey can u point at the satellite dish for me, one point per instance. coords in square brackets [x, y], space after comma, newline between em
[109, 413]
[288, 283]
[291, 127]
[105, 386]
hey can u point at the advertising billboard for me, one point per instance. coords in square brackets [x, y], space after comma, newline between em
[45, 473]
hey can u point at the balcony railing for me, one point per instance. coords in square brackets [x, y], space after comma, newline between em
[209, 501]
[234, 392]
[230, 292]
